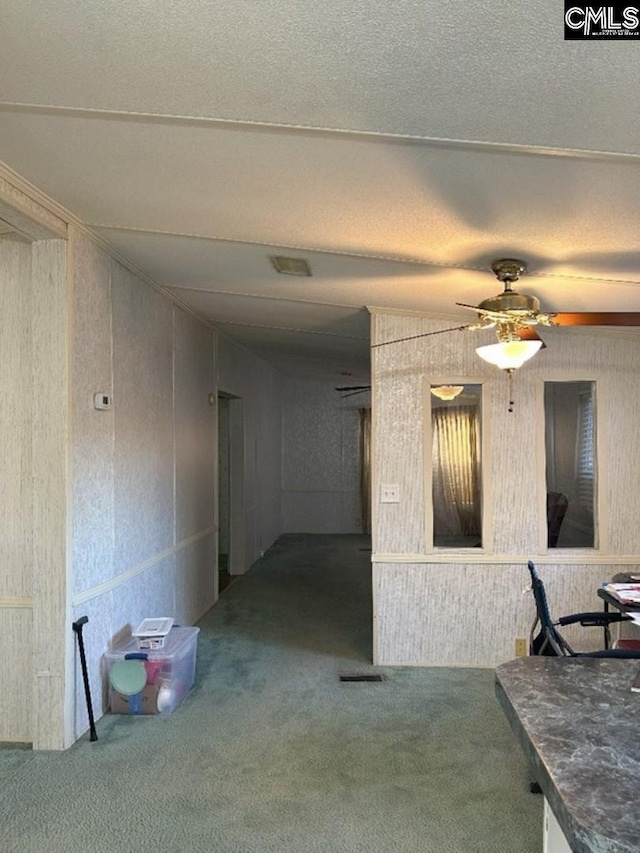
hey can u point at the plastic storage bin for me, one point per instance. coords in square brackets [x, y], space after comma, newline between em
[153, 681]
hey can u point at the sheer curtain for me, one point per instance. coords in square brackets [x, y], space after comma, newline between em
[365, 469]
[456, 472]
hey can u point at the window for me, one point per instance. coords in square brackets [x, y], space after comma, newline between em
[569, 409]
[585, 457]
[456, 469]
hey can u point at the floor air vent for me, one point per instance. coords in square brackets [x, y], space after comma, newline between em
[372, 677]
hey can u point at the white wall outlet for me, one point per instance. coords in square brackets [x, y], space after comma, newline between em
[102, 401]
[390, 494]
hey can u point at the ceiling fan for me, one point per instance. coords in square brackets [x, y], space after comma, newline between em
[350, 390]
[514, 317]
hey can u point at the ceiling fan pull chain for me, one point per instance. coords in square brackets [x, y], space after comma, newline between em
[510, 377]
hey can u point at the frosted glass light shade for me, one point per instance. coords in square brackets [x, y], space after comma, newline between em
[509, 355]
[447, 392]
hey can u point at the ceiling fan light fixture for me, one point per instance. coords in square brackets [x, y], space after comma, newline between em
[509, 355]
[447, 392]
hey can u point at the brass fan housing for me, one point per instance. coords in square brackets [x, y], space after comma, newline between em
[507, 271]
[511, 302]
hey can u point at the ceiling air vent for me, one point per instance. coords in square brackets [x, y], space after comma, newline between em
[290, 266]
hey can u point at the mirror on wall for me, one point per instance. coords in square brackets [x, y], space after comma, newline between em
[570, 448]
[456, 465]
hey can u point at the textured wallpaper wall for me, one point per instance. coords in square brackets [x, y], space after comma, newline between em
[320, 462]
[16, 515]
[446, 608]
[143, 473]
[110, 514]
[34, 629]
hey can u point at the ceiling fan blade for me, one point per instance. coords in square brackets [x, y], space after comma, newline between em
[423, 335]
[528, 333]
[597, 318]
[353, 393]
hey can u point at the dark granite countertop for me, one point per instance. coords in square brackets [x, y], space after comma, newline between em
[579, 725]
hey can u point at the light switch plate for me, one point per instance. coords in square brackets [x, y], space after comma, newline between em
[390, 494]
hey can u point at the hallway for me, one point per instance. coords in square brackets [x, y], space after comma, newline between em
[272, 753]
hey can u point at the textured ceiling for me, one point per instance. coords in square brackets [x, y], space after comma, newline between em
[399, 147]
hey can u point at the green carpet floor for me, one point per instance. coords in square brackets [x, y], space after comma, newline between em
[272, 753]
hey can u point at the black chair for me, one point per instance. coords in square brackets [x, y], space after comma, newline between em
[557, 504]
[549, 641]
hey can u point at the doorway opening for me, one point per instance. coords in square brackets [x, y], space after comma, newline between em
[224, 492]
[230, 488]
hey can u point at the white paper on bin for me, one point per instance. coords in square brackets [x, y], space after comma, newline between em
[158, 626]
